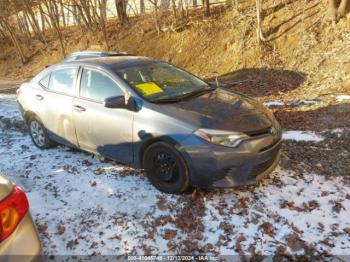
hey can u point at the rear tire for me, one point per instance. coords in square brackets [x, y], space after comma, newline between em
[166, 169]
[38, 134]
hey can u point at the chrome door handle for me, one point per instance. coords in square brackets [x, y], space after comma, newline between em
[79, 108]
[39, 97]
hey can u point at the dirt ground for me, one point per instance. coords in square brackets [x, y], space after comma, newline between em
[306, 57]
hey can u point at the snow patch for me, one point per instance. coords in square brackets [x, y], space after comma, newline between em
[274, 103]
[10, 97]
[302, 136]
[342, 97]
[298, 102]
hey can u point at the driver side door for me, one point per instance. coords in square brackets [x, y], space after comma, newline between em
[106, 131]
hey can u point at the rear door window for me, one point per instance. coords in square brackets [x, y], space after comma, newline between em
[98, 86]
[63, 80]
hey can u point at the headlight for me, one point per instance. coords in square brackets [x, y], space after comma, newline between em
[221, 137]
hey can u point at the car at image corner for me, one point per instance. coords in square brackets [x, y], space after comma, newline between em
[153, 115]
[19, 240]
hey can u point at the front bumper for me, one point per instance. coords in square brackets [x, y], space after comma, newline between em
[214, 166]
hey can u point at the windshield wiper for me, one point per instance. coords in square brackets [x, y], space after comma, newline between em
[185, 96]
[167, 100]
[199, 92]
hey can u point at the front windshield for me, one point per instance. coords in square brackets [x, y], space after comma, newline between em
[161, 81]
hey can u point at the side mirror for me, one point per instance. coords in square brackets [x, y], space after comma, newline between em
[120, 102]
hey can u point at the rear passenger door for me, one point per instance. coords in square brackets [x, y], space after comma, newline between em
[107, 131]
[57, 99]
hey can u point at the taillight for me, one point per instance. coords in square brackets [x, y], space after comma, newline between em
[18, 91]
[12, 209]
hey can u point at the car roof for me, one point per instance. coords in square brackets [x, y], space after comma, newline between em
[95, 53]
[114, 62]
[87, 53]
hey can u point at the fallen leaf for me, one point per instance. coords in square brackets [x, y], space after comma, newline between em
[169, 234]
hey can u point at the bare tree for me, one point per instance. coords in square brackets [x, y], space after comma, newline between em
[27, 7]
[2, 33]
[259, 33]
[62, 13]
[102, 6]
[338, 9]
[344, 8]
[81, 14]
[174, 8]
[23, 26]
[120, 5]
[54, 15]
[206, 8]
[142, 6]
[5, 25]
[156, 14]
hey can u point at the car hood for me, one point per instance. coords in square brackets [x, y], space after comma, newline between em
[5, 187]
[221, 109]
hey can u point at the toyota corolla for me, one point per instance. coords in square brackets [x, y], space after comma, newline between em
[150, 114]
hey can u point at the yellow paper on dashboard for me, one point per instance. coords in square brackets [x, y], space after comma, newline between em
[149, 88]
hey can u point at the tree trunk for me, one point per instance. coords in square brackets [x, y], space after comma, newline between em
[344, 8]
[81, 15]
[156, 14]
[86, 9]
[26, 24]
[2, 33]
[120, 5]
[77, 19]
[29, 25]
[20, 24]
[142, 6]
[14, 40]
[338, 9]
[63, 16]
[332, 9]
[259, 33]
[32, 18]
[173, 6]
[54, 18]
[181, 5]
[103, 17]
[42, 18]
[207, 8]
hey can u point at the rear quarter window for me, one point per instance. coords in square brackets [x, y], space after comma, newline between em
[45, 81]
[63, 80]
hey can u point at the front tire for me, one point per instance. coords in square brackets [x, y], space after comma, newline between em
[166, 169]
[39, 134]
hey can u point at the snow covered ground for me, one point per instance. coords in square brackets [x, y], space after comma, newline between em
[86, 205]
[302, 136]
[298, 102]
[342, 97]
